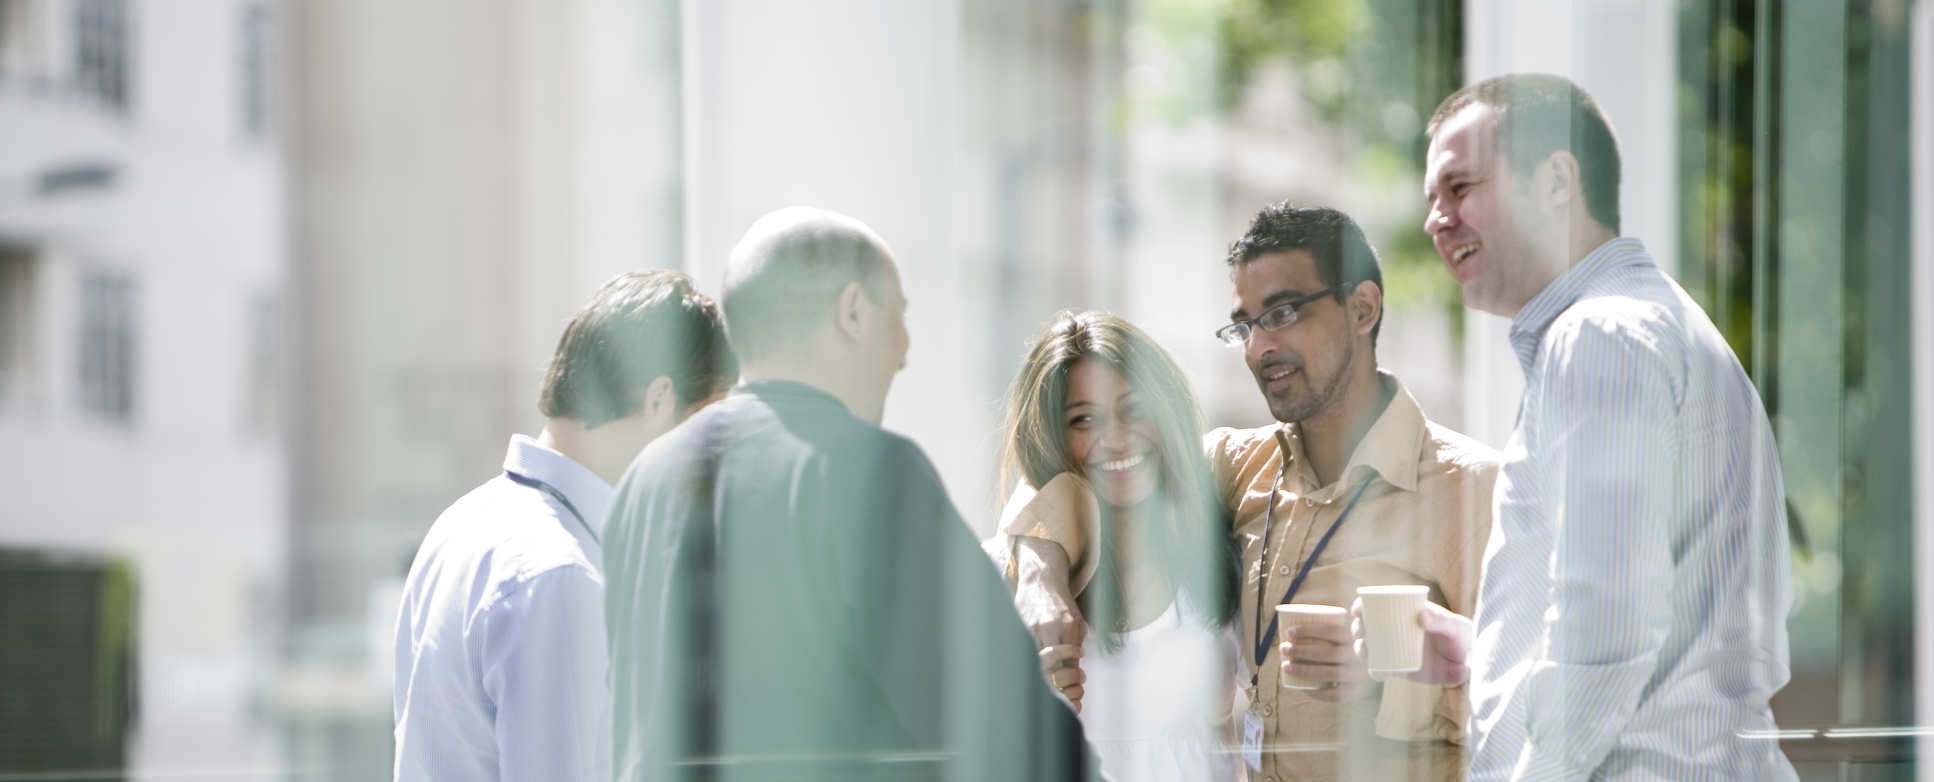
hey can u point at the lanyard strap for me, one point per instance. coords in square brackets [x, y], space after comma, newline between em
[1262, 569]
[525, 480]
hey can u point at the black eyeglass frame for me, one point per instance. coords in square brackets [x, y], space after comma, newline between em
[1236, 334]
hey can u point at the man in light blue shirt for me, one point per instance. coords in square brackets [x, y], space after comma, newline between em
[1631, 619]
[500, 640]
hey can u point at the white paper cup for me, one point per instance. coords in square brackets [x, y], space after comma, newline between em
[1291, 614]
[1393, 641]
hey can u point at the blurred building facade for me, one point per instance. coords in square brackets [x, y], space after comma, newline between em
[143, 278]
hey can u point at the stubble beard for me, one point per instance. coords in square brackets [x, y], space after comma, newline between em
[1299, 410]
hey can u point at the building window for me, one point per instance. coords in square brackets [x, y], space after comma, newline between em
[101, 50]
[109, 356]
[17, 313]
[257, 70]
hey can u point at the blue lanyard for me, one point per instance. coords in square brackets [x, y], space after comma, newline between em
[1262, 568]
[525, 480]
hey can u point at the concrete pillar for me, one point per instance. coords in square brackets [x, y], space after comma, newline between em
[849, 105]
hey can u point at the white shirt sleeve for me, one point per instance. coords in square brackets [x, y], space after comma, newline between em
[543, 659]
[1611, 413]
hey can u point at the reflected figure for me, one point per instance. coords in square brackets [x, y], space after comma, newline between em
[1352, 487]
[500, 642]
[1632, 619]
[1103, 432]
[792, 594]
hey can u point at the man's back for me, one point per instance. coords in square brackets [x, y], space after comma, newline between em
[499, 640]
[793, 595]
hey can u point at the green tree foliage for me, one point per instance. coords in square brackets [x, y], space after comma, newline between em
[1374, 69]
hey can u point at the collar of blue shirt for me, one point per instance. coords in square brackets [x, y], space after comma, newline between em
[586, 491]
[1529, 325]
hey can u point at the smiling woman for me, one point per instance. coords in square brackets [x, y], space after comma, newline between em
[1110, 436]
[1099, 410]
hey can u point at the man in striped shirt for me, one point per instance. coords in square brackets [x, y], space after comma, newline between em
[1630, 622]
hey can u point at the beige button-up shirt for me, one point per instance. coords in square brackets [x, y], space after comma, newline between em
[1423, 520]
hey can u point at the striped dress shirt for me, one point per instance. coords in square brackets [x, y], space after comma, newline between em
[1631, 621]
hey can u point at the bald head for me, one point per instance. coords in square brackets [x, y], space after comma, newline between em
[785, 275]
[812, 296]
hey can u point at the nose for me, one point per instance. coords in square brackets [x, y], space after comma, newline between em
[1259, 344]
[1437, 219]
[1114, 436]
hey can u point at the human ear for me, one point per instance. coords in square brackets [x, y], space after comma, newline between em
[1558, 180]
[1366, 306]
[661, 400]
[849, 313]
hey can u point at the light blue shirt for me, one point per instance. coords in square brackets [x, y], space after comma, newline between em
[1631, 622]
[500, 643]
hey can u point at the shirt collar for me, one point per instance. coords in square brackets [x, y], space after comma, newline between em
[793, 390]
[1389, 447]
[1529, 325]
[588, 493]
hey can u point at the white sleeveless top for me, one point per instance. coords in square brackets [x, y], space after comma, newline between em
[1154, 709]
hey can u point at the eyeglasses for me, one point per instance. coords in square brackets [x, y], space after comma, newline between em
[1236, 334]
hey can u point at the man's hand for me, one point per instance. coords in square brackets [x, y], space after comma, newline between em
[1324, 653]
[1047, 608]
[1447, 644]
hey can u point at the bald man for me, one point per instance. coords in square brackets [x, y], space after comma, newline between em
[791, 594]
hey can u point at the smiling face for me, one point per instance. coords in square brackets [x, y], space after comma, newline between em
[1482, 218]
[1302, 369]
[1110, 435]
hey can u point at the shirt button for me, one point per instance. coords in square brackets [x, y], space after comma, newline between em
[1282, 571]
[1268, 709]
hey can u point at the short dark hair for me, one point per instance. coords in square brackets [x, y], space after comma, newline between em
[637, 328]
[1343, 254]
[1539, 114]
[786, 274]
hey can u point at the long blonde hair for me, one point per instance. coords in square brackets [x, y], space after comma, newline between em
[1036, 450]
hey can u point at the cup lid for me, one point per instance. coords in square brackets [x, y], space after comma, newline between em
[1394, 589]
[1312, 609]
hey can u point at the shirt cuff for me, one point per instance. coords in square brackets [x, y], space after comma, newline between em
[1063, 511]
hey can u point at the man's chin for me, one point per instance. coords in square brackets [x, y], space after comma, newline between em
[1472, 298]
[1287, 412]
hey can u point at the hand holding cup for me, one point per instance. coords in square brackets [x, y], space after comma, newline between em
[1317, 653]
[1443, 651]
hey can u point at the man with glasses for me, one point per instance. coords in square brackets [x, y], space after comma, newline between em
[1352, 487]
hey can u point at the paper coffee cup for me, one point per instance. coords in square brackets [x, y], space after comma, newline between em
[1291, 614]
[1393, 641]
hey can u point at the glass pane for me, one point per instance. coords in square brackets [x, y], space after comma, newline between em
[251, 392]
